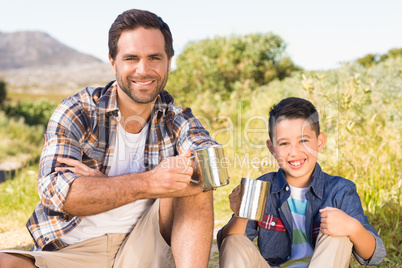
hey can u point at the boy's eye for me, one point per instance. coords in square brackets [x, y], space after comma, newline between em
[303, 141]
[283, 143]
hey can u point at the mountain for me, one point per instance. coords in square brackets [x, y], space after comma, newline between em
[27, 49]
[33, 62]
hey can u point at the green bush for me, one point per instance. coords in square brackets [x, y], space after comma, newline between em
[229, 65]
[370, 60]
[18, 138]
[33, 112]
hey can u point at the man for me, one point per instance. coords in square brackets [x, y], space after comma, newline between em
[115, 172]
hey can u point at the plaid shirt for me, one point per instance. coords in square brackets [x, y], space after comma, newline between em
[83, 127]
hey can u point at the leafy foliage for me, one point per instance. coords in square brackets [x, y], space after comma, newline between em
[372, 59]
[226, 65]
[33, 112]
[17, 138]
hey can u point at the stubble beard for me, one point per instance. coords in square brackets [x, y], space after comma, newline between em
[124, 84]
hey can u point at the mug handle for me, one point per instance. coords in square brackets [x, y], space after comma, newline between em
[192, 180]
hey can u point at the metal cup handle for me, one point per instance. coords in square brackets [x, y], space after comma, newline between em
[192, 180]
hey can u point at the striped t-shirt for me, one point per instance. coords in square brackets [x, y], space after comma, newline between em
[301, 249]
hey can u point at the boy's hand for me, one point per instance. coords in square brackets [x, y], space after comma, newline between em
[335, 222]
[233, 197]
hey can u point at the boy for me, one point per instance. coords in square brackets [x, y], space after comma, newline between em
[311, 218]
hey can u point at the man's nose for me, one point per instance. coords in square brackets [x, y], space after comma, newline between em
[142, 67]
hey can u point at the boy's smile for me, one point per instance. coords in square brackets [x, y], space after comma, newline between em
[295, 146]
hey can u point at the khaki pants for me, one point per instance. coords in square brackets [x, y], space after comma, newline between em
[143, 247]
[237, 251]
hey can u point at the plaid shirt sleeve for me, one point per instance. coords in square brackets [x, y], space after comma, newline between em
[62, 139]
[190, 132]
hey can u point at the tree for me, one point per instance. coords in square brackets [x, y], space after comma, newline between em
[372, 59]
[368, 60]
[223, 65]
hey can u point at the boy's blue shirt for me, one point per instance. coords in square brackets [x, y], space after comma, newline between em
[275, 231]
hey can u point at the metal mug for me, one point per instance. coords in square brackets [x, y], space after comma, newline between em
[211, 167]
[252, 199]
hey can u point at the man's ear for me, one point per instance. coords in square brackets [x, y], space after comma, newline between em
[321, 141]
[112, 64]
[270, 147]
[170, 64]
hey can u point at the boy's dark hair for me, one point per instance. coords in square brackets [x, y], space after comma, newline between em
[133, 19]
[293, 108]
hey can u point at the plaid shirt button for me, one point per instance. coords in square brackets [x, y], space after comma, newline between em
[273, 223]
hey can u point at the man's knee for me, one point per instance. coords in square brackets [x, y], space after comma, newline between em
[15, 261]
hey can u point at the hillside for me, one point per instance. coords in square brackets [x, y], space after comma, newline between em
[33, 62]
[33, 49]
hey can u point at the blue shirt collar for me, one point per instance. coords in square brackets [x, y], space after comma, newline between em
[316, 186]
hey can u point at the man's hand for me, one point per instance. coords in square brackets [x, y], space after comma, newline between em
[78, 168]
[335, 222]
[173, 174]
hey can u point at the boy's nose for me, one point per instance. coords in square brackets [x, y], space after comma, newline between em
[294, 149]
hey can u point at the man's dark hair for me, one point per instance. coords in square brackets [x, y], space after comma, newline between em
[133, 19]
[293, 108]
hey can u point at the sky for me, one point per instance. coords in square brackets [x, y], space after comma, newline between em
[319, 34]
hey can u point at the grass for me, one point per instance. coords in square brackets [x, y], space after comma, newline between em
[18, 198]
[18, 138]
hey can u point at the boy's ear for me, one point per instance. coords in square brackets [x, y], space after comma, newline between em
[321, 141]
[270, 147]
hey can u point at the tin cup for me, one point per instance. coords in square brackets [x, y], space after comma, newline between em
[211, 167]
[252, 199]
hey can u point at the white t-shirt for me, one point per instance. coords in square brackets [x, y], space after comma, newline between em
[128, 158]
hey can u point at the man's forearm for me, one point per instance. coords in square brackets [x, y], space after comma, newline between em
[93, 195]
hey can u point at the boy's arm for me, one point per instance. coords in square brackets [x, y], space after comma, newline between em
[236, 225]
[335, 222]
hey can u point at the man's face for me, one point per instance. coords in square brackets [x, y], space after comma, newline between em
[141, 65]
[295, 146]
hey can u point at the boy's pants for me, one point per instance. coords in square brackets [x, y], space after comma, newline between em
[143, 247]
[237, 251]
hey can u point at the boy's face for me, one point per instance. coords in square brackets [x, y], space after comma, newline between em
[295, 146]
